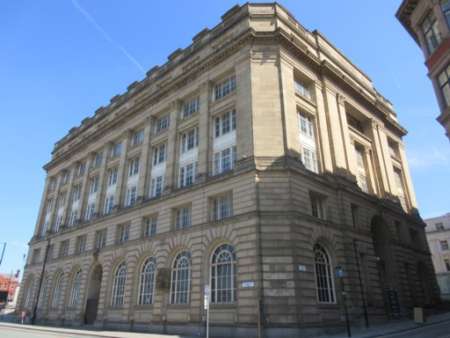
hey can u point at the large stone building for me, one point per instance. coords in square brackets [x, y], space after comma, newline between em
[438, 236]
[428, 22]
[258, 160]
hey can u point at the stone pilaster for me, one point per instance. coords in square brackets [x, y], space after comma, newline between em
[171, 150]
[122, 170]
[204, 132]
[322, 126]
[144, 161]
[84, 183]
[41, 213]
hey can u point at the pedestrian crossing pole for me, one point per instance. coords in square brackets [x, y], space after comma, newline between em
[206, 299]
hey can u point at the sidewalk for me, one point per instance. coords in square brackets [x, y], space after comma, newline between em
[90, 333]
[392, 327]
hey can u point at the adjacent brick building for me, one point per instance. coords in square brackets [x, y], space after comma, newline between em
[257, 160]
[428, 22]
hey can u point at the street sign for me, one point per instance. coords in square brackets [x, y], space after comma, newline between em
[248, 284]
[206, 296]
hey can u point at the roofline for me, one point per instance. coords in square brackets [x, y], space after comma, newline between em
[401, 16]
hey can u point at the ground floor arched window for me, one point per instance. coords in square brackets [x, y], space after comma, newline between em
[118, 290]
[181, 279]
[147, 282]
[223, 275]
[324, 275]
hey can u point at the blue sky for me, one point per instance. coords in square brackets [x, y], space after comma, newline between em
[61, 60]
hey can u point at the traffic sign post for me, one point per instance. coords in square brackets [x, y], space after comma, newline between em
[206, 300]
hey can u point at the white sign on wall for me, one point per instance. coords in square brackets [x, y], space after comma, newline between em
[248, 284]
[206, 296]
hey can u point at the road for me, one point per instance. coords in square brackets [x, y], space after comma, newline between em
[8, 332]
[441, 330]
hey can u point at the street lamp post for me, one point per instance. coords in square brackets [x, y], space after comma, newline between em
[33, 317]
[340, 275]
[3, 252]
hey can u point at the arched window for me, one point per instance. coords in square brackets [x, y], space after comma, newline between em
[324, 275]
[29, 293]
[146, 282]
[223, 275]
[76, 287]
[181, 279]
[118, 289]
[57, 291]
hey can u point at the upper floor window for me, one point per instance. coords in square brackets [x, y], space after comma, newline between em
[225, 123]
[137, 138]
[188, 173]
[183, 217]
[439, 226]
[150, 224]
[444, 85]
[361, 176]
[36, 256]
[355, 123]
[72, 217]
[109, 204]
[308, 142]
[162, 123]
[190, 107]
[447, 264]
[444, 245]
[130, 198]
[224, 160]
[159, 154]
[98, 160]
[116, 149]
[64, 248]
[52, 184]
[81, 244]
[133, 166]
[222, 207]
[431, 32]
[445, 6]
[302, 89]
[93, 185]
[123, 233]
[76, 193]
[100, 239]
[317, 205]
[189, 140]
[393, 148]
[224, 88]
[65, 176]
[61, 200]
[80, 169]
[112, 176]
[157, 186]
[49, 206]
[400, 187]
[90, 211]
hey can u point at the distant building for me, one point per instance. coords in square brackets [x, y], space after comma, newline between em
[438, 235]
[8, 285]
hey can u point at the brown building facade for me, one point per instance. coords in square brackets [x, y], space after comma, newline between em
[428, 22]
[257, 161]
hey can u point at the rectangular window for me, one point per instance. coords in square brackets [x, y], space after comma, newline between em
[112, 176]
[221, 207]
[361, 175]
[318, 205]
[109, 204]
[224, 160]
[76, 193]
[162, 123]
[35, 258]
[157, 186]
[150, 224]
[65, 177]
[183, 217]
[439, 226]
[81, 244]
[130, 198]
[308, 142]
[90, 211]
[133, 167]
[302, 89]
[190, 107]
[98, 160]
[187, 175]
[444, 245]
[225, 123]
[93, 185]
[100, 239]
[52, 184]
[58, 222]
[81, 168]
[224, 88]
[444, 85]
[447, 264]
[445, 7]
[73, 217]
[431, 32]
[64, 248]
[400, 188]
[189, 140]
[137, 138]
[116, 150]
[123, 233]
[159, 154]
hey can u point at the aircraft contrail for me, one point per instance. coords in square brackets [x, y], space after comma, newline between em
[108, 38]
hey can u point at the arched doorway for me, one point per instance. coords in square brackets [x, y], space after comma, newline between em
[382, 238]
[93, 295]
